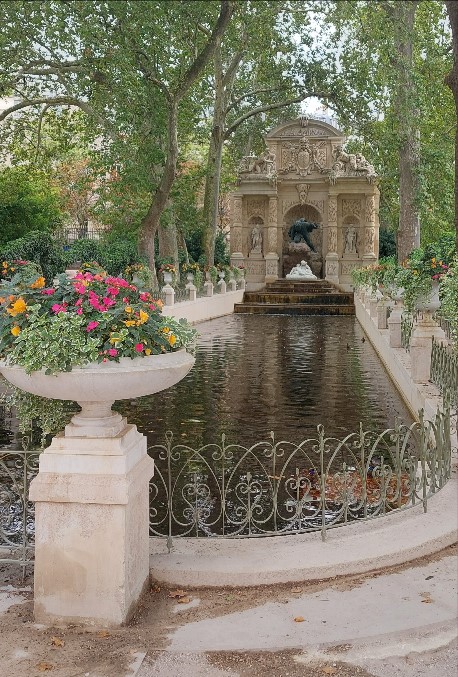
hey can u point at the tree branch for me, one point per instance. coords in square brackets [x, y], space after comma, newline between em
[272, 106]
[261, 90]
[49, 101]
[226, 11]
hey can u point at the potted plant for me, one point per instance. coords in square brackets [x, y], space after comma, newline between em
[139, 275]
[168, 272]
[93, 339]
[419, 276]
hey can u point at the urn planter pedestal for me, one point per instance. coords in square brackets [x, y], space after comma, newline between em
[91, 493]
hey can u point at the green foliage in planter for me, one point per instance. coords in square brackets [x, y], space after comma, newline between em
[38, 247]
[54, 343]
[38, 415]
[449, 299]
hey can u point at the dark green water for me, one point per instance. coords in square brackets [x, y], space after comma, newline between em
[256, 374]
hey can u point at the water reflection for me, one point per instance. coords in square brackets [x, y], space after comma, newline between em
[254, 374]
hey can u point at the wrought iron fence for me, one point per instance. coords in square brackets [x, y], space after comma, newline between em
[444, 372]
[272, 488]
[17, 513]
[407, 322]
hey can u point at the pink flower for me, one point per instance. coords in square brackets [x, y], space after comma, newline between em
[92, 325]
[80, 288]
[108, 302]
[144, 296]
[152, 306]
[113, 291]
[57, 308]
[48, 292]
[112, 352]
[139, 347]
[79, 311]
[79, 302]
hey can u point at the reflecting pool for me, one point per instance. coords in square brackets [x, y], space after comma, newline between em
[257, 374]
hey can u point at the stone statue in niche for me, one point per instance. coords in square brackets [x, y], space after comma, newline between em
[301, 272]
[256, 240]
[350, 240]
[369, 240]
[301, 229]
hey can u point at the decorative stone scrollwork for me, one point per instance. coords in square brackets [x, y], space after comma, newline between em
[262, 164]
[351, 208]
[332, 209]
[331, 268]
[255, 207]
[237, 209]
[303, 158]
[273, 210]
[288, 204]
[350, 164]
[236, 240]
[303, 190]
[347, 267]
[370, 209]
[369, 237]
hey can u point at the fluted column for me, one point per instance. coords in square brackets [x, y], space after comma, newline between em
[332, 263]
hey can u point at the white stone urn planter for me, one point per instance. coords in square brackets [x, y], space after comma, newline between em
[92, 491]
[429, 302]
[168, 277]
[96, 386]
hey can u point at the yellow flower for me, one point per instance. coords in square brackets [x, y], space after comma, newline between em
[114, 338]
[433, 260]
[165, 330]
[38, 284]
[148, 351]
[143, 316]
[128, 309]
[17, 308]
[130, 323]
[172, 339]
[15, 330]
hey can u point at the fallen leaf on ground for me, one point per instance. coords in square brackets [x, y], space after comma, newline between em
[103, 633]
[177, 593]
[299, 619]
[296, 590]
[155, 588]
[44, 666]
[56, 641]
[329, 670]
[184, 600]
[427, 600]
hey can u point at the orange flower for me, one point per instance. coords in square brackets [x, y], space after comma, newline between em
[17, 308]
[15, 330]
[38, 284]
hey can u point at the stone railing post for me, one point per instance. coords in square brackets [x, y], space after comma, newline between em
[394, 325]
[232, 284]
[242, 284]
[192, 290]
[222, 286]
[169, 292]
[421, 345]
[209, 287]
[382, 311]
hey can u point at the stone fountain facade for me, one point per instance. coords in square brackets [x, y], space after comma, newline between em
[304, 173]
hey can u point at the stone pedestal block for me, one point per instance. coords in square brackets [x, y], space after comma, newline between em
[271, 267]
[421, 345]
[382, 311]
[92, 528]
[394, 325]
[209, 288]
[169, 292]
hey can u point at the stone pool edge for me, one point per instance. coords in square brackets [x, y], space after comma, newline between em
[353, 549]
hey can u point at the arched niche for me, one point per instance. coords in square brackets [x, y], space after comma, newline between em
[349, 246]
[254, 221]
[309, 213]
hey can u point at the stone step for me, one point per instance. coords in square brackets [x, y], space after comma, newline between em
[293, 309]
[279, 298]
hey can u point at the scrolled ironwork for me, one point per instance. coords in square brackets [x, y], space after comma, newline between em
[279, 487]
[444, 372]
[407, 323]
